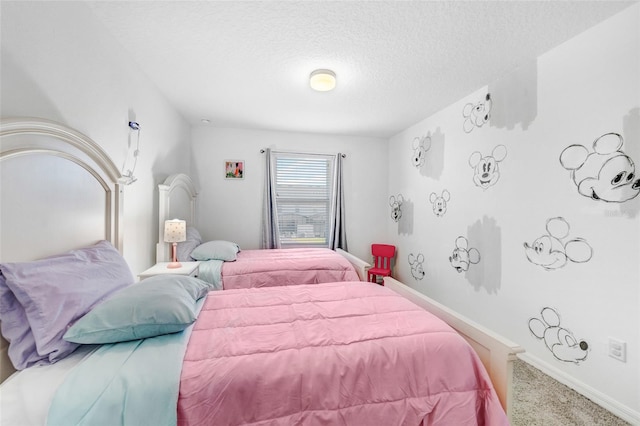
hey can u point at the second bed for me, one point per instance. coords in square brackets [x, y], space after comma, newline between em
[227, 266]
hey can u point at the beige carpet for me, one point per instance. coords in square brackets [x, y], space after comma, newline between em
[540, 400]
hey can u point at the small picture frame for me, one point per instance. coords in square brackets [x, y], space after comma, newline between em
[233, 169]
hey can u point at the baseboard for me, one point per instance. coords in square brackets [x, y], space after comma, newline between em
[606, 402]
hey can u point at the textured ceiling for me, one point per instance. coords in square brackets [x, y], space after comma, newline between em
[246, 64]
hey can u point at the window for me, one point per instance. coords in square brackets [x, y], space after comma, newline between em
[304, 185]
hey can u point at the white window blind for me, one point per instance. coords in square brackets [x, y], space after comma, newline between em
[304, 185]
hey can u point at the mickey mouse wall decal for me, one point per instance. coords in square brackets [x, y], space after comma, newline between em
[476, 115]
[416, 265]
[560, 341]
[550, 252]
[606, 174]
[440, 202]
[396, 204]
[420, 147]
[462, 256]
[485, 168]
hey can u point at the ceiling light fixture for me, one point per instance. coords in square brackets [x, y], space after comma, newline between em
[322, 80]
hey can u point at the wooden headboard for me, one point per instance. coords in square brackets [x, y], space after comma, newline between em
[60, 191]
[177, 200]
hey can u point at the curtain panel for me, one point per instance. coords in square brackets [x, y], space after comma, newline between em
[270, 231]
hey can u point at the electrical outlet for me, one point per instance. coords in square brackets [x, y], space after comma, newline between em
[618, 349]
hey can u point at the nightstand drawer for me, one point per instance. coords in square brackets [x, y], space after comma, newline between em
[188, 268]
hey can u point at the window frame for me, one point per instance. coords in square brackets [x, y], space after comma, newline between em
[292, 198]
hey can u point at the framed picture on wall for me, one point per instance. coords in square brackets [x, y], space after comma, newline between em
[233, 169]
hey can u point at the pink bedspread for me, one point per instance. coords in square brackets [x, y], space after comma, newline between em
[336, 354]
[278, 267]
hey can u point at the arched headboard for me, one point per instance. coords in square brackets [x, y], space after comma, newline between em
[177, 200]
[59, 191]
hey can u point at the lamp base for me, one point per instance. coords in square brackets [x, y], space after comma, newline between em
[174, 264]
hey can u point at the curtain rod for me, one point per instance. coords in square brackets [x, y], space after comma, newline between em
[262, 151]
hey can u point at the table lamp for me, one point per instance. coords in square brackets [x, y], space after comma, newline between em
[175, 231]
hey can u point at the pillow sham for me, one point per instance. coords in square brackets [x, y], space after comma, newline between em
[216, 250]
[15, 329]
[158, 305]
[58, 290]
[184, 249]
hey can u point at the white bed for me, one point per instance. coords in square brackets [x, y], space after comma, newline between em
[52, 154]
[178, 197]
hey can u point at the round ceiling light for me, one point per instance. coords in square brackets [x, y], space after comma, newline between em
[322, 80]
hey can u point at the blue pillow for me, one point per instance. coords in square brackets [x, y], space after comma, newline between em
[216, 250]
[158, 305]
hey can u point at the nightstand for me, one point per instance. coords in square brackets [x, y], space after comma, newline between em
[188, 268]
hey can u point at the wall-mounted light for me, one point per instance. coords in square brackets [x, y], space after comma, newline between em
[131, 159]
[322, 80]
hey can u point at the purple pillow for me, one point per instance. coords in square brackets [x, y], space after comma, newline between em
[184, 249]
[15, 328]
[57, 291]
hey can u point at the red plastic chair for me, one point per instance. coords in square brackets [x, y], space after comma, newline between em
[382, 255]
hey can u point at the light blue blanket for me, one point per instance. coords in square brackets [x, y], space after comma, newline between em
[127, 383]
[211, 272]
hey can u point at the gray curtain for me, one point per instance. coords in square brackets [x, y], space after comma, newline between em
[338, 234]
[270, 230]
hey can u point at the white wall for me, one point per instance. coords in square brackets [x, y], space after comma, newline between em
[58, 63]
[232, 209]
[571, 95]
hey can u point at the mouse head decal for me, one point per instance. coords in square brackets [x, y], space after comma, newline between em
[396, 204]
[475, 115]
[485, 169]
[463, 256]
[560, 341]
[606, 174]
[416, 265]
[439, 202]
[420, 147]
[551, 252]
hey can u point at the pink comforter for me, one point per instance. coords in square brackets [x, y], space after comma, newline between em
[335, 354]
[278, 267]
